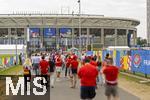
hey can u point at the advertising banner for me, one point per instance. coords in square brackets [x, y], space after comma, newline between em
[129, 39]
[65, 32]
[34, 32]
[89, 53]
[48, 32]
[141, 61]
[118, 58]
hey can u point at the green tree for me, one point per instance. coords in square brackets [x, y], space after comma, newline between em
[141, 41]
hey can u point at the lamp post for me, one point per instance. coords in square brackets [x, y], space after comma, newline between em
[16, 38]
[79, 25]
[72, 30]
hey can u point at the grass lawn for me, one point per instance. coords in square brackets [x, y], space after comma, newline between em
[6, 55]
[137, 74]
[129, 78]
[12, 70]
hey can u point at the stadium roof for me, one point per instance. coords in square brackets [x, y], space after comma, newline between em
[65, 20]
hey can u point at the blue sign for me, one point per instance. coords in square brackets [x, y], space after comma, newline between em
[141, 61]
[117, 58]
[34, 32]
[89, 53]
[65, 32]
[49, 32]
[129, 39]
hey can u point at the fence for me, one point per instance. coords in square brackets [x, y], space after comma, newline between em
[136, 61]
[8, 61]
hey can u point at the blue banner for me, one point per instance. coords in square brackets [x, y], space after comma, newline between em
[141, 61]
[107, 52]
[65, 32]
[49, 32]
[129, 39]
[118, 58]
[89, 53]
[34, 32]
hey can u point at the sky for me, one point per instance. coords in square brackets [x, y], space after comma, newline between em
[111, 8]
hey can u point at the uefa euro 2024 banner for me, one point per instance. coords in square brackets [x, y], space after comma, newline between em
[141, 61]
[34, 32]
[65, 32]
[48, 32]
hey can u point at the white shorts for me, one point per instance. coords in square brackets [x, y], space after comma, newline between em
[58, 69]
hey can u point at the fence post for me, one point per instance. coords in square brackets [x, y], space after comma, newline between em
[145, 75]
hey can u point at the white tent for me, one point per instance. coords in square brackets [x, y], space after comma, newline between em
[11, 49]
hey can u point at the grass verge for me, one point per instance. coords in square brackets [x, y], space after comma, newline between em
[130, 78]
[6, 55]
[12, 70]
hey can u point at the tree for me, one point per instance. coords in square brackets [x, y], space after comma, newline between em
[141, 41]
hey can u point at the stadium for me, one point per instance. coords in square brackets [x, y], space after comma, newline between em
[50, 31]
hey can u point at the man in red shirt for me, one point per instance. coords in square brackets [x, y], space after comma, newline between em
[74, 67]
[111, 76]
[88, 74]
[44, 65]
[93, 62]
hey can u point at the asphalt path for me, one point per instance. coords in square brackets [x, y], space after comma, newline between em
[62, 91]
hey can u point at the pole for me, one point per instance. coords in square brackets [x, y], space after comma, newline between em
[16, 52]
[79, 24]
[72, 30]
[28, 41]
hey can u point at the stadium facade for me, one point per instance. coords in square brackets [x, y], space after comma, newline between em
[62, 30]
[148, 21]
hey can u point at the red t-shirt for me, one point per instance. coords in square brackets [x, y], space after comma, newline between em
[44, 66]
[88, 74]
[74, 64]
[94, 63]
[111, 74]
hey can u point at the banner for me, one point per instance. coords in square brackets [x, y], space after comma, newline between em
[89, 53]
[48, 32]
[140, 61]
[118, 58]
[65, 32]
[34, 32]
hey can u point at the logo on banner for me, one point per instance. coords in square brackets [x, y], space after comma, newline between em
[137, 60]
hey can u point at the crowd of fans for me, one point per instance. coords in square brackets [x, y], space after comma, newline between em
[91, 71]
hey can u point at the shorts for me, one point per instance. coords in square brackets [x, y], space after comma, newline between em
[58, 69]
[87, 92]
[74, 71]
[36, 66]
[111, 90]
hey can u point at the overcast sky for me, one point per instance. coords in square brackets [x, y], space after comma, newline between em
[113, 8]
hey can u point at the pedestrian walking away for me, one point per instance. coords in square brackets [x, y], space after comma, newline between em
[52, 72]
[111, 77]
[44, 65]
[74, 69]
[27, 66]
[87, 74]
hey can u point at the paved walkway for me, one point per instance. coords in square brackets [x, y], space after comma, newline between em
[63, 92]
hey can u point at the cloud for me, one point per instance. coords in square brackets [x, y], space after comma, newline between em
[117, 8]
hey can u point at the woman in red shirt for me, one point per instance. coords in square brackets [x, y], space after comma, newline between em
[58, 63]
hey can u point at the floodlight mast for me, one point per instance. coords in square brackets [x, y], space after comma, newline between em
[80, 48]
